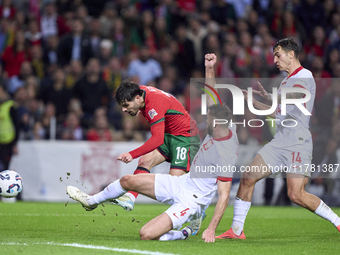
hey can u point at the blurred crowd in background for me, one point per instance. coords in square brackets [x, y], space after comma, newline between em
[61, 61]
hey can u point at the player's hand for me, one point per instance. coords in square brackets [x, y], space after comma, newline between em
[262, 92]
[245, 94]
[125, 157]
[208, 236]
[210, 60]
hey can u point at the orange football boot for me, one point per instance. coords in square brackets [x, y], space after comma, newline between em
[231, 235]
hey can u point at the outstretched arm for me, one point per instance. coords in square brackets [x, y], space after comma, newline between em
[223, 189]
[156, 140]
[258, 105]
[263, 93]
[210, 61]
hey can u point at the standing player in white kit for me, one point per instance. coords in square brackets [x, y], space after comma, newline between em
[291, 147]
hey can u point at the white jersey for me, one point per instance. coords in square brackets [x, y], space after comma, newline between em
[214, 160]
[290, 136]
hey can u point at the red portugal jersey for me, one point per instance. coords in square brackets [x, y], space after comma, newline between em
[161, 106]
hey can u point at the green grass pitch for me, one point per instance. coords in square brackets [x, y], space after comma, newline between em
[55, 228]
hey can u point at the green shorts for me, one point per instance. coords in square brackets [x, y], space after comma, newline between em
[179, 150]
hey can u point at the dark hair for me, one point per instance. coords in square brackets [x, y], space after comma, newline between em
[127, 91]
[220, 111]
[288, 44]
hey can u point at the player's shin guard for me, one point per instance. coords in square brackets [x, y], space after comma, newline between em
[327, 213]
[140, 170]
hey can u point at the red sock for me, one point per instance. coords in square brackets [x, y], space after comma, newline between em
[139, 170]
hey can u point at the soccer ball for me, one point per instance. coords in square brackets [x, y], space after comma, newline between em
[10, 183]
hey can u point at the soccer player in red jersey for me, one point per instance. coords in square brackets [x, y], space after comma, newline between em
[174, 133]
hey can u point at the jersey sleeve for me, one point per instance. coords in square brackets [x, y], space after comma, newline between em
[226, 161]
[156, 140]
[301, 83]
[224, 179]
[155, 110]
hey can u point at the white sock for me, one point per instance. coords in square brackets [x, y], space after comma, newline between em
[112, 191]
[172, 235]
[325, 212]
[241, 209]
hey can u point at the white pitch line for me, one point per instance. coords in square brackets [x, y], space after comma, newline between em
[68, 215]
[95, 247]
[13, 243]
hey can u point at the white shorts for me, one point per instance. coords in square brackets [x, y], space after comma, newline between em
[183, 209]
[295, 160]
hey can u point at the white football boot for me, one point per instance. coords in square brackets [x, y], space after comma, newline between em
[81, 197]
